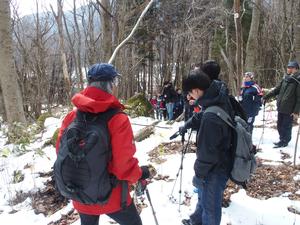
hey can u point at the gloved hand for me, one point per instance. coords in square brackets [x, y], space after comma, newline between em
[148, 172]
[182, 130]
[145, 172]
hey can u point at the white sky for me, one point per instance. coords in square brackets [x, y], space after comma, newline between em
[25, 7]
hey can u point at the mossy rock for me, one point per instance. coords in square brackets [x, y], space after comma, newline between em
[41, 120]
[52, 141]
[138, 105]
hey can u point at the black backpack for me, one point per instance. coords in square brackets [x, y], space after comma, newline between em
[80, 169]
[237, 108]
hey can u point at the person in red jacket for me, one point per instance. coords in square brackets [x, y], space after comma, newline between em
[99, 96]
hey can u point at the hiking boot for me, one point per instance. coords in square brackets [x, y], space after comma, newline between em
[277, 143]
[281, 145]
[189, 222]
[186, 222]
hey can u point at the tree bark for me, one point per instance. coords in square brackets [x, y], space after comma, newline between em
[8, 77]
[106, 29]
[238, 35]
[59, 21]
[297, 32]
[252, 43]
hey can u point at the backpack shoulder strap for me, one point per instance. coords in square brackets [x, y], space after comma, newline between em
[107, 115]
[296, 79]
[220, 113]
[93, 117]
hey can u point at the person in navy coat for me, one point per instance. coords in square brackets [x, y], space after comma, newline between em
[250, 98]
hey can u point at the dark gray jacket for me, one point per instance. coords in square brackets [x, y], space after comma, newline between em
[288, 94]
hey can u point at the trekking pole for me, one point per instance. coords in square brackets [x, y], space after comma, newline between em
[296, 145]
[183, 152]
[152, 208]
[263, 131]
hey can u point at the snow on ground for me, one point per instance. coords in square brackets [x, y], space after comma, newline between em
[242, 210]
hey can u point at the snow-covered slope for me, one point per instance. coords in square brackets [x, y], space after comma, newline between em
[242, 209]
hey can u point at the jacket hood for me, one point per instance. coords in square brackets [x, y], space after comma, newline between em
[216, 94]
[94, 100]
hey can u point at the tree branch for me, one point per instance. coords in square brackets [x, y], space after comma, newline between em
[131, 34]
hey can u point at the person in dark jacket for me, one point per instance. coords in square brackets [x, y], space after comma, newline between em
[214, 158]
[170, 96]
[179, 104]
[250, 98]
[212, 69]
[288, 102]
[99, 97]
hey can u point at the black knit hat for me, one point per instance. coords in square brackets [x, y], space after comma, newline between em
[196, 79]
[211, 68]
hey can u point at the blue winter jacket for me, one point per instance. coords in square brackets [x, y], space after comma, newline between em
[251, 95]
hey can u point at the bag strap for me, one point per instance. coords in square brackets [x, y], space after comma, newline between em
[93, 117]
[296, 79]
[221, 114]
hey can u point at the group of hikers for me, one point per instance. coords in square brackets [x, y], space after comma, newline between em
[98, 122]
[169, 104]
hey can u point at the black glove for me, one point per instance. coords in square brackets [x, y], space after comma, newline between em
[182, 130]
[145, 172]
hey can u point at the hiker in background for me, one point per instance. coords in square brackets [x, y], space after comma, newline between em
[97, 98]
[288, 103]
[169, 95]
[162, 107]
[178, 109]
[155, 106]
[214, 158]
[250, 98]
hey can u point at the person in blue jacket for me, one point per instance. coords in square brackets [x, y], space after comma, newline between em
[250, 98]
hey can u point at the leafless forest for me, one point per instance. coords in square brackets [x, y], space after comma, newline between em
[44, 56]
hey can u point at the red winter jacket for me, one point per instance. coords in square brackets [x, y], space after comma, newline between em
[123, 165]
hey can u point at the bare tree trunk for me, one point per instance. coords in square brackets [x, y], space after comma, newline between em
[59, 21]
[297, 32]
[106, 26]
[252, 43]
[78, 33]
[238, 35]
[8, 78]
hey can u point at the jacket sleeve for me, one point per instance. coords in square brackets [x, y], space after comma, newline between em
[194, 122]
[210, 142]
[123, 165]
[297, 106]
[274, 92]
[65, 123]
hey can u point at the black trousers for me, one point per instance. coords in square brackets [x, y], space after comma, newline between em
[128, 216]
[284, 127]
